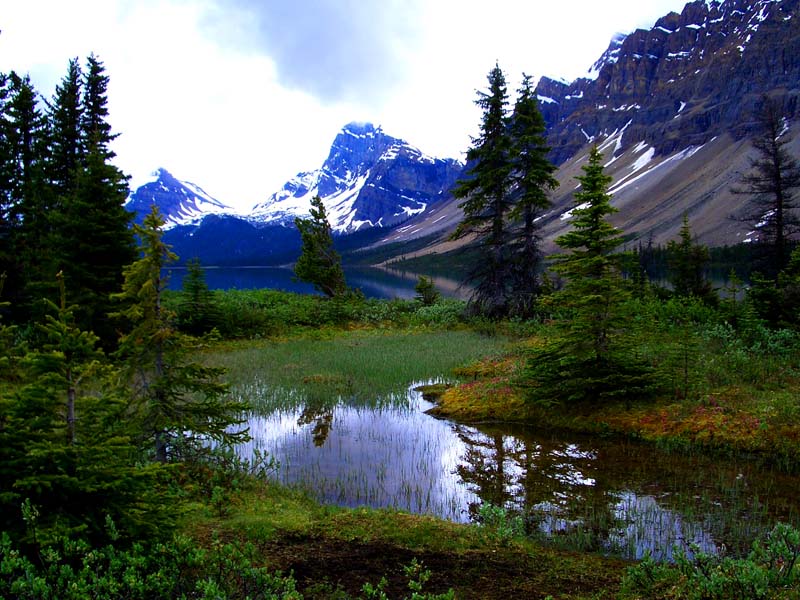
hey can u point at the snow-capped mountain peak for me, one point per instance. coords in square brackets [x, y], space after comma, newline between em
[370, 179]
[180, 202]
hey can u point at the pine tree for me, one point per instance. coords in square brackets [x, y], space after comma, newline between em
[590, 360]
[30, 237]
[65, 448]
[487, 201]
[94, 240]
[427, 294]
[594, 287]
[772, 182]
[181, 405]
[533, 177]
[687, 262]
[197, 310]
[319, 264]
[66, 150]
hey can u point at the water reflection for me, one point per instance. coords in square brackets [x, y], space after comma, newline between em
[373, 282]
[609, 495]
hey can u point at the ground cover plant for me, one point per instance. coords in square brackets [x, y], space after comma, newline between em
[722, 387]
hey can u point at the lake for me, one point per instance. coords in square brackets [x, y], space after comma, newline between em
[601, 494]
[373, 282]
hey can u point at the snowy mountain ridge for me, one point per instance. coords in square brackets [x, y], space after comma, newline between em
[180, 202]
[370, 179]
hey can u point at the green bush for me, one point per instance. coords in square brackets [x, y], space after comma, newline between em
[769, 572]
[73, 570]
[444, 313]
[497, 524]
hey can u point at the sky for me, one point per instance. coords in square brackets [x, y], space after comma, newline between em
[238, 96]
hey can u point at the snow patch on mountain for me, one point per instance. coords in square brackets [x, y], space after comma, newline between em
[369, 179]
[179, 202]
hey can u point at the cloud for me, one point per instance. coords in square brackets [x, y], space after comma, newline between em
[336, 50]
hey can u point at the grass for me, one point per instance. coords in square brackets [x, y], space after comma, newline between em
[360, 365]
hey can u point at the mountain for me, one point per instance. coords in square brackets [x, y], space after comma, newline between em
[693, 76]
[180, 202]
[370, 179]
[672, 108]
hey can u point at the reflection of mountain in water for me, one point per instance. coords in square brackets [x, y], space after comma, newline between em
[374, 283]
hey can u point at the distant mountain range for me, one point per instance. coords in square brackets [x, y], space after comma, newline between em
[671, 108]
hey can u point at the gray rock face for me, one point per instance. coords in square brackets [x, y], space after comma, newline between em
[693, 76]
[370, 179]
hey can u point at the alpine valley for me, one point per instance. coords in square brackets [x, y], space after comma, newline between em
[671, 108]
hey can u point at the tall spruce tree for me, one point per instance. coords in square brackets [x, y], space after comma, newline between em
[487, 201]
[180, 404]
[95, 240]
[319, 264]
[64, 116]
[687, 262]
[30, 237]
[772, 183]
[590, 359]
[533, 178]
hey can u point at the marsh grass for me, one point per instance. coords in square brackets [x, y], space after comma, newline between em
[359, 366]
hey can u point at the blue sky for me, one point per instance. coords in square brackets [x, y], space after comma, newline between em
[237, 96]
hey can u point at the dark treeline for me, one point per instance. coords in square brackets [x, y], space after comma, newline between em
[61, 198]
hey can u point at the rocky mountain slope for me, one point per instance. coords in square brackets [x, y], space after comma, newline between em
[693, 76]
[672, 108]
[369, 179]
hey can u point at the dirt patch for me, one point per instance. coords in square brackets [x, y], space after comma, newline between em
[322, 566]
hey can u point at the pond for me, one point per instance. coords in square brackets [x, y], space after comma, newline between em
[373, 282]
[593, 493]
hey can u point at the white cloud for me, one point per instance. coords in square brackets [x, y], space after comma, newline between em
[240, 115]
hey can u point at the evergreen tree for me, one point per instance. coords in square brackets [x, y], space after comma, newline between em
[197, 310]
[65, 449]
[687, 262]
[594, 284]
[772, 182]
[181, 405]
[427, 294]
[64, 116]
[319, 264]
[533, 177]
[590, 359]
[487, 201]
[30, 239]
[95, 241]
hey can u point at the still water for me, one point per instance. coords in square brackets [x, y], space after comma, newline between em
[373, 282]
[608, 495]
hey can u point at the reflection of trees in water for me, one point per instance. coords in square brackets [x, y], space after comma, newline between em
[620, 493]
[484, 467]
[553, 484]
[321, 417]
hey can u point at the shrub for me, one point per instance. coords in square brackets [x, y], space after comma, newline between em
[770, 571]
